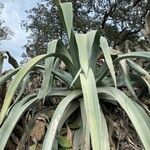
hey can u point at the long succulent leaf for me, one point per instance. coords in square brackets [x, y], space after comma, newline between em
[68, 111]
[22, 88]
[93, 39]
[75, 78]
[81, 138]
[61, 49]
[126, 78]
[139, 70]
[140, 55]
[83, 51]
[137, 115]
[142, 72]
[58, 92]
[90, 40]
[91, 100]
[86, 133]
[48, 76]
[63, 75]
[107, 55]
[99, 136]
[66, 13]
[73, 49]
[19, 77]
[56, 119]
[13, 117]
[8, 75]
[105, 70]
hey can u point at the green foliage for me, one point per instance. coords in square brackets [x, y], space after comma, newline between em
[64, 142]
[5, 32]
[87, 89]
[120, 18]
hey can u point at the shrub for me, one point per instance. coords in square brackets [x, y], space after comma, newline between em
[89, 85]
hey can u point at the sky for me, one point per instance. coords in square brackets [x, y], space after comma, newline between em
[13, 13]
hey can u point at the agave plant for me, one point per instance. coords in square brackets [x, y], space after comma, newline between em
[88, 86]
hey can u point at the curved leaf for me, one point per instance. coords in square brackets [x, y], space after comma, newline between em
[140, 55]
[21, 74]
[8, 75]
[107, 54]
[13, 117]
[57, 119]
[48, 77]
[99, 136]
[126, 78]
[22, 88]
[63, 75]
[64, 142]
[104, 70]
[137, 115]
[142, 72]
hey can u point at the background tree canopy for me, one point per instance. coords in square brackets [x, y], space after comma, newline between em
[118, 20]
[5, 32]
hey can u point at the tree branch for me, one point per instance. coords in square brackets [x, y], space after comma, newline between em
[109, 13]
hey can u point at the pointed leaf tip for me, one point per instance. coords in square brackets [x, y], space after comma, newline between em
[107, 55]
